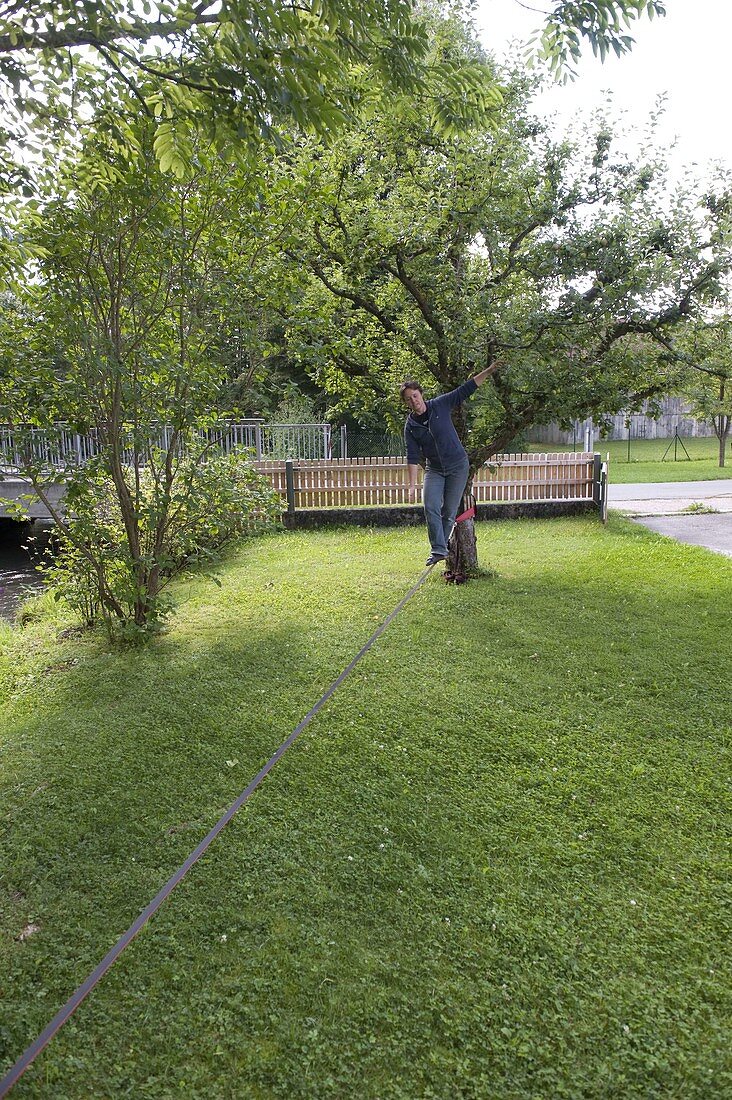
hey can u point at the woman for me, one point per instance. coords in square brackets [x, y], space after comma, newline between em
[431, 439]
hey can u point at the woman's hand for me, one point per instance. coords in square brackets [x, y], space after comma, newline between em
[412, 475]
[481, 377]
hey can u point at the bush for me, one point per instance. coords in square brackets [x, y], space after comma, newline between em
[103, 565]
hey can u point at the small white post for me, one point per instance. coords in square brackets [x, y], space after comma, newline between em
[589, 436]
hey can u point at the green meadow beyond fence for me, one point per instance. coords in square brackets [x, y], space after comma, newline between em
[380, 482]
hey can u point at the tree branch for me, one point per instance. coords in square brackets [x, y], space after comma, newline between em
[427, 312]
[69, 38]
[367, 305]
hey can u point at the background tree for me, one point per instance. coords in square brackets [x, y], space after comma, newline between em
[705, 351]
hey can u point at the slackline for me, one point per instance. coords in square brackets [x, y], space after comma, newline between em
[34, 1049]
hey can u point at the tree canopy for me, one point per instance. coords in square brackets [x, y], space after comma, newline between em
[237, 73]
[242, 73]
[432, 257]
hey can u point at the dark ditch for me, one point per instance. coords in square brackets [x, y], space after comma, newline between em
[21, 548]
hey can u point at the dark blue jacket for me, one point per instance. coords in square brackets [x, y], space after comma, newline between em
[437, 442]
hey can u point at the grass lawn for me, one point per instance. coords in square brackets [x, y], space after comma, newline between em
[646, 459]
[496, 865]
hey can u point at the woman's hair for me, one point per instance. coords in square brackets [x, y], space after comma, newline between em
[409, 385]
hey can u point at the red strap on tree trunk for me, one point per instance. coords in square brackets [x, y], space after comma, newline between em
[467, 514]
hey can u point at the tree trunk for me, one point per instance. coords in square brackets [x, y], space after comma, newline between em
[723, 426]
[462, 559]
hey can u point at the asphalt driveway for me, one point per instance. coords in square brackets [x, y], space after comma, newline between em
[664, 507]
[714, 532]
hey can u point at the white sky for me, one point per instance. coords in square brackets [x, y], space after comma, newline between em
[685, 55]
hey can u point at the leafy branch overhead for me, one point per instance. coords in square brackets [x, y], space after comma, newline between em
[602, 23]
[239, 73]
[244, 73]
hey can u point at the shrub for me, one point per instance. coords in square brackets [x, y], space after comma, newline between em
[102, 567]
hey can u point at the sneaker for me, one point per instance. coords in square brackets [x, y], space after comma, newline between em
[433, 559]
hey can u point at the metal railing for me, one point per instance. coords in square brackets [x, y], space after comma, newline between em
[61, 447]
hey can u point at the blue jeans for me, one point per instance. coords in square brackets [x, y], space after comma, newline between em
[441, 496]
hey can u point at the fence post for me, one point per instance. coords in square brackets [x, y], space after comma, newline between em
[258, 441]
[344, 441]
[589, 434]
[290, 482]
[596, 481]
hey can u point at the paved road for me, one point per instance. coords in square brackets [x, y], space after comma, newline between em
[660, 507]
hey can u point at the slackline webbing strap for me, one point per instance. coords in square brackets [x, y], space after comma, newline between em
[34, 1049]
[467, 514]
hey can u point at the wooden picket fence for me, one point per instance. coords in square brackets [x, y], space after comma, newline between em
[381, 482]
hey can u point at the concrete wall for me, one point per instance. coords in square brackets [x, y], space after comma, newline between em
[413, 515]
[14, 489]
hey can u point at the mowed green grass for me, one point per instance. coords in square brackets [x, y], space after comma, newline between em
[647, 463]
[496, 865]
